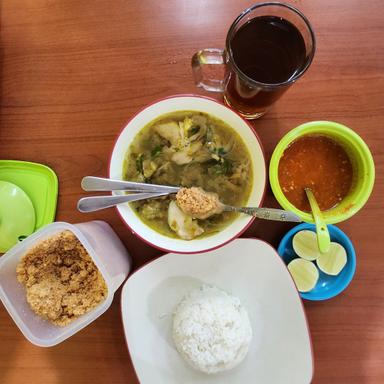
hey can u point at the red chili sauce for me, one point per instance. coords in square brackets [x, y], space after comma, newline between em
[319, 163]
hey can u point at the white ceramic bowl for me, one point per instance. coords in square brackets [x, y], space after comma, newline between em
[213, 108]
[280, 351]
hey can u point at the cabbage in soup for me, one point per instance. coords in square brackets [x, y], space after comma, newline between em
[190, 149]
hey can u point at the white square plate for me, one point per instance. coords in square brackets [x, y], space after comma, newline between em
[250, 269]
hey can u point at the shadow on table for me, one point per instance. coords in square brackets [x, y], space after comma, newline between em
[344, 340]
[10, 339]
[97, 354]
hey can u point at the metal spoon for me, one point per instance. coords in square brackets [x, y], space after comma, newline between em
[95, 203]
[265, 213]
[92, 183]
[323, 238]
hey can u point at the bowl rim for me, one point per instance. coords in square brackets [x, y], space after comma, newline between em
[311, 128]
[251, 220]
[346, 243]
[164, 254]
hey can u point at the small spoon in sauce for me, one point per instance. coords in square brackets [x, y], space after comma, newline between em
[323, 239]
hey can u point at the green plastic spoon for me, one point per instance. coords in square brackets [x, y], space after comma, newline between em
[17, 215]
[323, 239]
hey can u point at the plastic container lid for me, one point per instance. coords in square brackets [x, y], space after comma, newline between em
[39, 182]
[17, 215]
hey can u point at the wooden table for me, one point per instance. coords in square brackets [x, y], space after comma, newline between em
[73, 72]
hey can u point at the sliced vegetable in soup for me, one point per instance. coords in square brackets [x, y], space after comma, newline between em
[190, 149]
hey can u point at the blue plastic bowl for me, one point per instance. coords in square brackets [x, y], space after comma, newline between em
[327, 286]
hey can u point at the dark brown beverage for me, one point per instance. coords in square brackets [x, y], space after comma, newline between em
[268, 47]
[269, 50]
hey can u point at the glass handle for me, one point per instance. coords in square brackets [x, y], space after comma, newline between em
[204, 67]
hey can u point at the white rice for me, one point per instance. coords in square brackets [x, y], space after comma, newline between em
[211, 330]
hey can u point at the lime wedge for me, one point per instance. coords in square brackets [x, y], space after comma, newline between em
[304, 243]
[333, 262]
[304, 273]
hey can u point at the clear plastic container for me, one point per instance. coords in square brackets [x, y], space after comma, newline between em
[109, 255]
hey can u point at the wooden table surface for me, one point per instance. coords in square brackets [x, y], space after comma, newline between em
[72, 74]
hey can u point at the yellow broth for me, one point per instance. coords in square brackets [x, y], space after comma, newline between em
[205, 152]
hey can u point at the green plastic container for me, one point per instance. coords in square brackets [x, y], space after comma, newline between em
[40, 185]
[17, 215]
[359, 154]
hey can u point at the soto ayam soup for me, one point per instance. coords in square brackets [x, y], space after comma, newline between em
[189, 149]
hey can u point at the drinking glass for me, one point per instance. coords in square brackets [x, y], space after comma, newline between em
[251, 96]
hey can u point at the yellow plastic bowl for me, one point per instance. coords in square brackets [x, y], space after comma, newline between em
[362, 163]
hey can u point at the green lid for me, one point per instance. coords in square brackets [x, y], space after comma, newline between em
[39, 182]
[17, 215]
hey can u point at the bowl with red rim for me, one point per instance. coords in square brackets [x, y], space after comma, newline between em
[218, 111]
